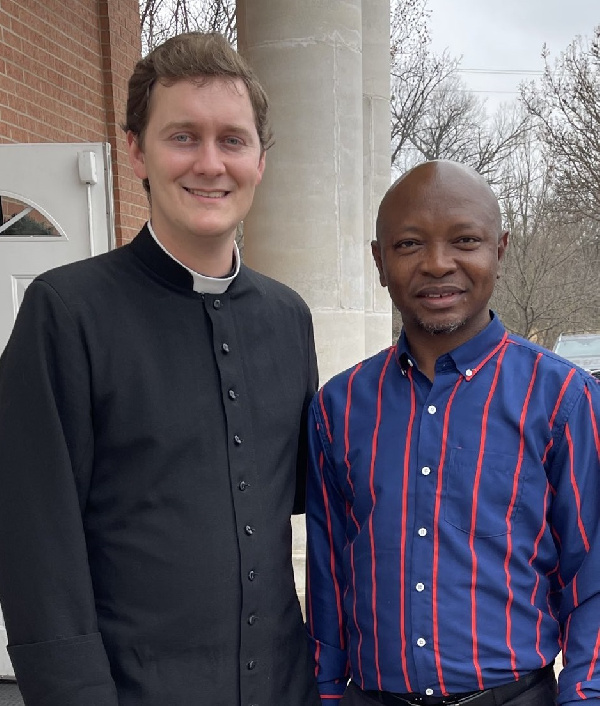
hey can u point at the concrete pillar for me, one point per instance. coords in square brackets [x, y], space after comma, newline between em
[306, 225]
[376, 163]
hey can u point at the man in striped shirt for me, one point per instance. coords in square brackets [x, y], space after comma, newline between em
[454, 484]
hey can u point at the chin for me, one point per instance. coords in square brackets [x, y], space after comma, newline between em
[436, 328]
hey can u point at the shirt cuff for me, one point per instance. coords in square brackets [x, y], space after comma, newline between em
[67, 672]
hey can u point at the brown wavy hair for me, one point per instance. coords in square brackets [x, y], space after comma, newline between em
[197, 56]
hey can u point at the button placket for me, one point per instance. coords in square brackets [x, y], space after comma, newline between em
[244, 482]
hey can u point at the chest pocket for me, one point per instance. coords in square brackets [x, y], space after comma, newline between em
[493, 497]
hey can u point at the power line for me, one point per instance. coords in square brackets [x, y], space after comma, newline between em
[502, 72]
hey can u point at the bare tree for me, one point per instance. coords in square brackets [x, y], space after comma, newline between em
[415, 71]
[161, 19]
[566, 106]
[549, 281]
[455, 125]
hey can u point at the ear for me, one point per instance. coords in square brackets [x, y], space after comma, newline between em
[261, 166]
[502, 245]
[376, 252]
[136, 156]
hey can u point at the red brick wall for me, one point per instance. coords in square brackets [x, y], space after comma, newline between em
[64, 66]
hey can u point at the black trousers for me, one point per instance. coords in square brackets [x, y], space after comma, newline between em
[541, 694]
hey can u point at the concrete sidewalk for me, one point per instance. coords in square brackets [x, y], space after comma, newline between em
[10, 694]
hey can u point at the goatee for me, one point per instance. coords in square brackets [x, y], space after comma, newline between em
[442, 328]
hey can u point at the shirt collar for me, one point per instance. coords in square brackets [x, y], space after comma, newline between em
[202, 283]
[468, 358]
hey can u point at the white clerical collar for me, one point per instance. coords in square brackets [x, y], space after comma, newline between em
[203, 283]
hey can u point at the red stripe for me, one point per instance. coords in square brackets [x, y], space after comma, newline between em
[492, 354]
[538, 539]
[536, 544]
[594, 657]
[352, 515]
[538, 633]
[374, 500]
[360, 637]
[556, 571]
[317, 655]
[325, 417]
[563, 389]
[579, 692]
[347, 438]
[566, 640]
[407, 444]
[550, 611]
[556, 537]
[484, 422]
[575, 596]
[513, 657]
[436, 539]
[593, 421]
[547, 449]
[336, 586]
[586, 543]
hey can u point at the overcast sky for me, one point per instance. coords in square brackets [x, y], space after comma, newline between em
[507, 35]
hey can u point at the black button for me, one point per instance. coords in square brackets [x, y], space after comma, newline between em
[217, 303]
[237, 440]
[251, 575]
[252, 619]
[232, 394]
[225, 347]
[248, 530]
[242, 485]
[251, 664]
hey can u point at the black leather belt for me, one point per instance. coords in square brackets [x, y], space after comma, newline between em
[489, 697]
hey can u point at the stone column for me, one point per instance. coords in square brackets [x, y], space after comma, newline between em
[306, 225]
[376, 164]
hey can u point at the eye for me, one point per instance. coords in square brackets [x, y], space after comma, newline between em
[182, 138]
[406, 244]
[233, 141]
[468, 241]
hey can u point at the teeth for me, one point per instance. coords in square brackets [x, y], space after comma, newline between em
[207, 194]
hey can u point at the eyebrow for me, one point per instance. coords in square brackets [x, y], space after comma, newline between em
[190, 125]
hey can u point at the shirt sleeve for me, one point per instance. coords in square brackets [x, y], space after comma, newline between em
[46, 451]
[326, 539]
[575, 521]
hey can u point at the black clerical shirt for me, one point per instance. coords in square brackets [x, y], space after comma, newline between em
[150, 457]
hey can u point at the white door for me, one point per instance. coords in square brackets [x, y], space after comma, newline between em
[55, 207]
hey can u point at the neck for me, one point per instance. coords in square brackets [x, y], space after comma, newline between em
[427, 347]
[211, 259]
[426, 351]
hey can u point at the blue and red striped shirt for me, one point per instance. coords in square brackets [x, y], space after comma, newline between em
[454, 526]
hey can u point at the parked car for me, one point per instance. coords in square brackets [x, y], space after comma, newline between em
[583, 349]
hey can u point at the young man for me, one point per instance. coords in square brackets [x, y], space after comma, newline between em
[152, 402]
[454, 484]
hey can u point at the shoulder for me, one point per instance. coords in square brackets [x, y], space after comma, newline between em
[83, 274]
[548, 362]
[363, 377]
[563, 383]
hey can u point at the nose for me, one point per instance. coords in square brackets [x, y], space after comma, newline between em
[437, 260]
[208, 160]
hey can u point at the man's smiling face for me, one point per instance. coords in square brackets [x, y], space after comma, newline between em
[438, 249]
[202, 157]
